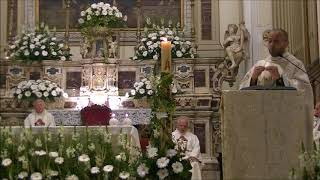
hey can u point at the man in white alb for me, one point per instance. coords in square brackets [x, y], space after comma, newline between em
[191, 141]
[39, 116]
[316, 123]
[283, 72]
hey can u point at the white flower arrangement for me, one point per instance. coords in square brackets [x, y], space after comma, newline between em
[38, 46]
[102, 15]
[54, 163]
[144, 88]
[40, 89]
[149, 45]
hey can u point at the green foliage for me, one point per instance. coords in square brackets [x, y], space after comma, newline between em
[81, 151]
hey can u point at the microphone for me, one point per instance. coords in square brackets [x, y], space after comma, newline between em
[297, 66]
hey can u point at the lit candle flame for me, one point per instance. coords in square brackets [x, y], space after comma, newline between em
[113, 115]
[126, 115]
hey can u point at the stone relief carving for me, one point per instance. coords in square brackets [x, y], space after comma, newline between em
[235, 44]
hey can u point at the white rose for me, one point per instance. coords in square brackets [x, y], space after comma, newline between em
[155, 57]
[36, 176]
[43, 47]
[12, 46]
[142, 91]
[108, 168]
[19, 96]
[150, 92]
[94, 6]
[104, 12]
[36, 39]
[38, 94]
[32, 46]
[81, 21]
[162, 162]
[59, 160]
[145, 53]
[45, 94]
[54, 93]
[53, 154]
[54, 38]
[27, 93]
[52, 43]
[95, 170]
[54, 53]
[36, 53]
[148, 86]
[143, 39]
[44, 53]
[88, 17]
[133, 92]
[62, 58]
[149, 43]
[26, 53]
[18, 91]
[25, 43]
[6, 162]
[61, 45]
[83, 13]
[179, 54]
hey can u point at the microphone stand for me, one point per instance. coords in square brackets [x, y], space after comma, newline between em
[297, 67]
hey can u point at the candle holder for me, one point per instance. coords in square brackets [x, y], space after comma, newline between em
[113, 121]
[127, 121]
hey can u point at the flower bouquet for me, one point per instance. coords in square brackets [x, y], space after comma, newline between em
[149, 45]
[99, 17]
[163, 165]
[82, 154]
[40, 89]
[38, 46]
[144, 88]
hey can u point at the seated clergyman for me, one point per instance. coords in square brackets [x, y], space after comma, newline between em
[188, 142]
[39, 116]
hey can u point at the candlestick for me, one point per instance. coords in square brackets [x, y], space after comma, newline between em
[165, 56]
[127, 121]
[113, 121]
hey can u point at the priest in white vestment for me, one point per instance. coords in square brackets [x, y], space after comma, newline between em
[191, 142]
[316, 123]
[282, 72]
[39, 116]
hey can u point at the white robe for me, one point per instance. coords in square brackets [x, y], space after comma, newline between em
[192, 150]
[316, 129]
[45, 116]
[292, 76]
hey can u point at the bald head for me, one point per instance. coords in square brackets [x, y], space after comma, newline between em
[317, 110]
[182, 124]
[39, 105]
[277, 42]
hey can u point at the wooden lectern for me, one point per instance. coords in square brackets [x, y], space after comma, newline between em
[262, 133]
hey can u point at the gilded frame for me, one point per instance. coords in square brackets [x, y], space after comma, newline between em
[37, 18]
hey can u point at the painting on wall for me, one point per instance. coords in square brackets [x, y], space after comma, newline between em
[73, 80]
[35, 76]
[126, 79]
[53, 13]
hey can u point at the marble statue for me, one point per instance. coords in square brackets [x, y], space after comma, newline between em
[235, 40]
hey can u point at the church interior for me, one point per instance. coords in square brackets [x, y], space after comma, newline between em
[159, 89]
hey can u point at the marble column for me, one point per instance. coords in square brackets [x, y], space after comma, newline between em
[3, 26]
